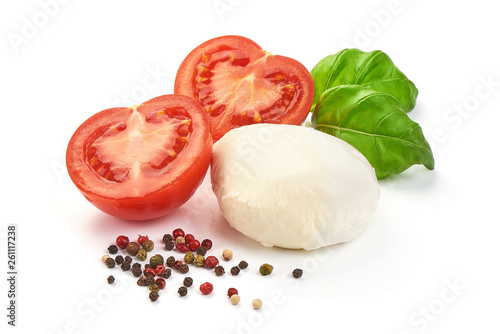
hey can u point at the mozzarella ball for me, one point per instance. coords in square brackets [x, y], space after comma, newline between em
[293, 187]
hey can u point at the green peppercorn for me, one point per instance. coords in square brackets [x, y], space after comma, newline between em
[110, 262]
[132, 248]
[153, 295]
[142, 255]
[189, 257]
[266, 269]
[148, 245]
[156, 260]
[199, 261]
[154, 287]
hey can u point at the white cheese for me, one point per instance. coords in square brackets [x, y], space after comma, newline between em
[293, 187]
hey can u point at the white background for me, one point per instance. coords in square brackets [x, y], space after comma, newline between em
[433, 229]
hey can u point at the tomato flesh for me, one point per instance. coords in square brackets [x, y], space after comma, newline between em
[141, 162]
[238, 83]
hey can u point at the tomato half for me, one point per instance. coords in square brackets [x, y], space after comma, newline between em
[238, 83]
[141, 162]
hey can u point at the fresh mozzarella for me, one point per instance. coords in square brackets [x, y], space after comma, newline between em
[293, 187]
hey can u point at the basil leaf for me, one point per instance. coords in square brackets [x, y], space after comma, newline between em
[376, 124]
[373, 70]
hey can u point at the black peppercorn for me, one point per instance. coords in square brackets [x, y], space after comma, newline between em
[167, 237]
[183, 268]
[137, 265]
[110, 263]
[235, 271]
[182, 291]
[153, 295]
[125, 266]
[219, 270]
[132, 248]
[119, 259]
[297, 273]
[128, 259]
[111, 279]
[136, 272]
[201, 251]
[141, 281]
[149, 281]
[169, 245]
[188, 281]
[170, 261]
[166, 274]
[113, 249]
[243, 264]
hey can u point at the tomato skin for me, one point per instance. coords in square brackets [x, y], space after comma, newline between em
[186, 81]
[156, 196]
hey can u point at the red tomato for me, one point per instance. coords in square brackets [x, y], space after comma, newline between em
[238, 83]
[141, 162]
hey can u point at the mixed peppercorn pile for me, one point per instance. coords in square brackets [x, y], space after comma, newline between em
[158, 270]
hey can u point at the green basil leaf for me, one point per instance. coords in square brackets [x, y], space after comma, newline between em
[373, 70]
[376, 124]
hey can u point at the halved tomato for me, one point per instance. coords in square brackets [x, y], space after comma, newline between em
[238, 83]
[141, 162]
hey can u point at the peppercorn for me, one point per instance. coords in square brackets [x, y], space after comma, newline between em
[184, 268]
[201, 251]
[182, 247]
[231, 291]
[170, 261]
[167, 237]
[257, 304]
[153, 295]
[227, 254]
[297, 273]
[188, 281]
[128, 259]
[160, 282]
[142, 255]
[149, 272]
[147, 265]
[132, 248]
[119, 259]
[235, 271]
[136, 272]
[206, 288]
[182, 291]
[178, 232]
[211, 262]
[243, 265]
[235, 299]
[177, 264]
[169, 245]
[219, 270]
[166, 274]
[141, 281]
[207, 243]
[199, 261]
[113, 249]
[110, 263]
[189, 257]
[180, 240]
[125, 266]
[136, 265]
[149, 280]
[111, 279]
[156, 260]
[266, 269]
[104, 258]
[148, 245]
